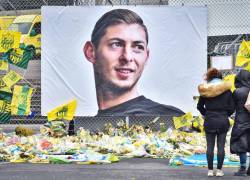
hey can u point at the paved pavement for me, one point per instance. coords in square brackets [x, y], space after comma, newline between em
[127, 169]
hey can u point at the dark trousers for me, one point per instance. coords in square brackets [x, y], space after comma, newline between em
[243, 159]
[221, 140]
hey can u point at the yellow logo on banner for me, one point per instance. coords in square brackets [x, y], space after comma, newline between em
[3, 86]
[198, 123]
[8, 40]
[4, 65]
[62, 112]
[16, 55]
[4, 106]
[20, 104]
[11, 78]
[65, 111]
[185, 120]
[243, 55]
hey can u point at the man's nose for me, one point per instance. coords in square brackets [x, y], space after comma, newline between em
[127, 54]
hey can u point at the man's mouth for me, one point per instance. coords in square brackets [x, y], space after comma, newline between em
[124, 70]
[124, 73]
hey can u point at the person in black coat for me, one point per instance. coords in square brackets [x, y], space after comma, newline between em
[216, 105]
[240, 137]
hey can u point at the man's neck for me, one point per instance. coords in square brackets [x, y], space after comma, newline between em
[108, 99]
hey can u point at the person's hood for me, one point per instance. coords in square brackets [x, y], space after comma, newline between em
[242, 79]
[213, 89]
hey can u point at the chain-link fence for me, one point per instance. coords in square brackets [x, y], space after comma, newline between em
[222, 14]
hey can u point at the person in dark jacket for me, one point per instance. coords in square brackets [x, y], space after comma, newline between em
[216, 105]
[240, 137]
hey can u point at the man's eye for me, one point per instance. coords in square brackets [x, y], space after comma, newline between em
[139, 47]
[116, 44]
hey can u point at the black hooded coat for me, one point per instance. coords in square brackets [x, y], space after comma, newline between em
[216, 104]
[240, 137]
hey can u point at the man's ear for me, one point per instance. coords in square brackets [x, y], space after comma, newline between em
[89, 52]
[147, 54]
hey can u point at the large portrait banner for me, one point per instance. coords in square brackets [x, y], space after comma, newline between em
[123, 60]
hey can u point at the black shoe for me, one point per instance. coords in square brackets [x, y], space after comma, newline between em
[248, 171]
[241, 172]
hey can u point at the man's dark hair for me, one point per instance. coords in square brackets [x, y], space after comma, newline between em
[115, 17]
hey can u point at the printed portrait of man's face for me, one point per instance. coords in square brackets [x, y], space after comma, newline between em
[121, 56]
